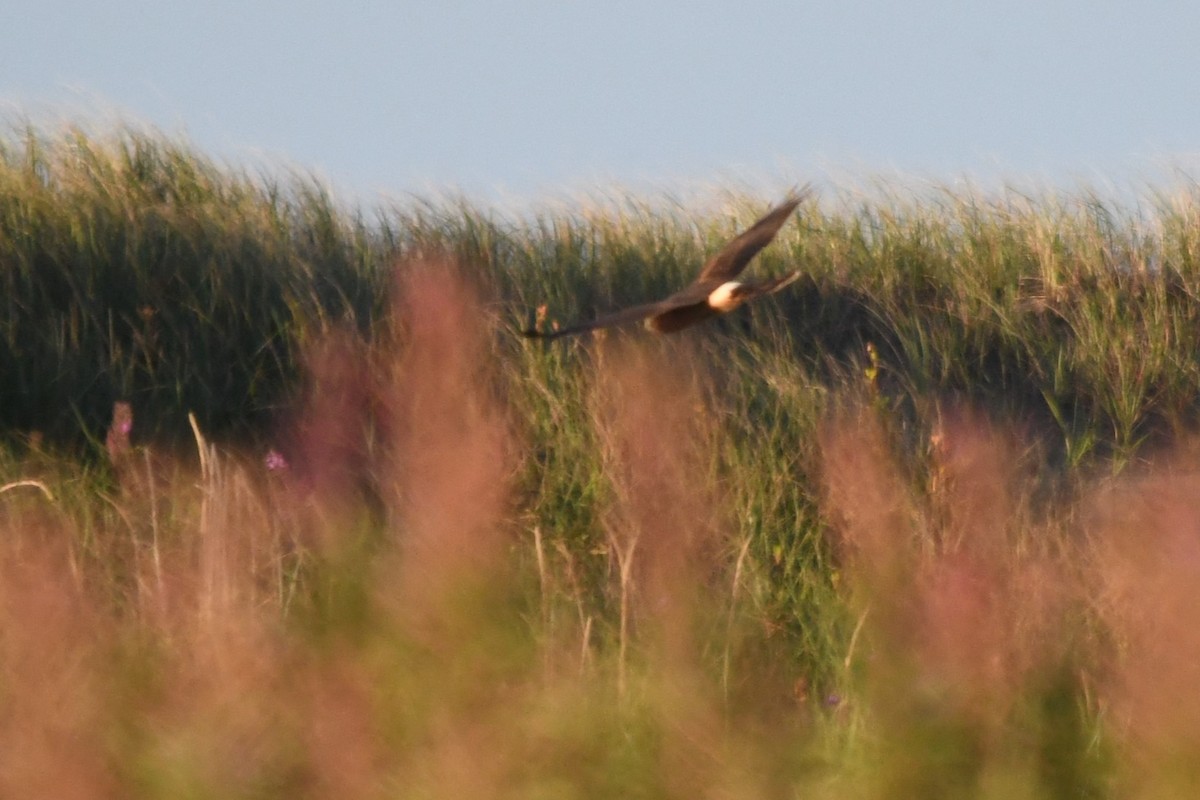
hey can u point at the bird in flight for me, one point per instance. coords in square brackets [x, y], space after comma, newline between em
[714, 291]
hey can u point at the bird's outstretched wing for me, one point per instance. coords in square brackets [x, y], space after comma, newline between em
[724, 266]
[769, 286]
[733, 257]
[631, 314]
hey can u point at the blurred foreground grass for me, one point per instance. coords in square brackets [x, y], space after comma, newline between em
[924, 526]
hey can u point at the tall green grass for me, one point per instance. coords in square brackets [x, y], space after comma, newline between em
[871, 537]
[135, 268]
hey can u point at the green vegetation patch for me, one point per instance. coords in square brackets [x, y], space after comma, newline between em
[289, 508]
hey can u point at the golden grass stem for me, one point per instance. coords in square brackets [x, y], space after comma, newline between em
[45, 490]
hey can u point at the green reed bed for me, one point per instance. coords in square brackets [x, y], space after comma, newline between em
[919, 526]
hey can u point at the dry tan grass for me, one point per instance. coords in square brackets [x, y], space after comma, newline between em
[666, 530]
[223, 630]
[1146, 535]
[445, 435]
[52, 701]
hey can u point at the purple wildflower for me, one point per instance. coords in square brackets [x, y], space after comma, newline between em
[275, 461]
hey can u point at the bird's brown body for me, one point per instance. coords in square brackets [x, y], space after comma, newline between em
[714, 291]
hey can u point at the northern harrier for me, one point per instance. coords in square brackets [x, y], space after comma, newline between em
[714, 291]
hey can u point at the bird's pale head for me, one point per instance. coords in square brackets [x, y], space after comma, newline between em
[726, 297]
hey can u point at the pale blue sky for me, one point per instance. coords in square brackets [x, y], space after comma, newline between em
[533, 98]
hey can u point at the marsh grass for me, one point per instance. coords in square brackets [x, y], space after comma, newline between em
[288, 510]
